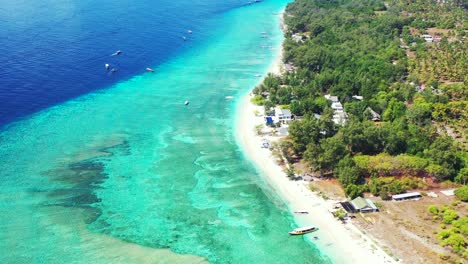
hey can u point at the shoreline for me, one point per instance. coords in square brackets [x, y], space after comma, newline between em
[342, 243]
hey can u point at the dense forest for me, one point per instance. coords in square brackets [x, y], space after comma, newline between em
[395, 74]
[399, 69]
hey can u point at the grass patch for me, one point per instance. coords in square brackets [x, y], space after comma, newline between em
[258, 100]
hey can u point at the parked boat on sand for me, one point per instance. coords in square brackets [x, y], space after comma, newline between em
[303, 230]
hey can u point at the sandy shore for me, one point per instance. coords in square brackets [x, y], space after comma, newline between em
[343, 243]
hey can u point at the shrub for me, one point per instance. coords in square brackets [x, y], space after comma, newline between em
[448, 184]
[461, 225]
[340, 214]
[290, 172]
[312, 188]
[462, 193]
[354, 191]
[433, 209]
[449, 216]
[386, 165]
[444, 234]
[258, 100]
[384, 195]
[456, 241]
[444, 208]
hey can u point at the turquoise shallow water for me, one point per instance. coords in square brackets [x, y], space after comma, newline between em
[132, 162]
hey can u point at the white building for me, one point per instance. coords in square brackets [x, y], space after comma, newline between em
[427, 38]
[340, 117]
[282, 115]
[332, 98]
[297, 37]
[337, 106]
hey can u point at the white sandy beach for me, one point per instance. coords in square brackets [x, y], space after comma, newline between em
[343, 243]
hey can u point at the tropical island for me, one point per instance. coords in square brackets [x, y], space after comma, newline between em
[371, 101]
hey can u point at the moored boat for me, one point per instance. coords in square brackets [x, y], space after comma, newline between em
[303, 230]
[301, 212]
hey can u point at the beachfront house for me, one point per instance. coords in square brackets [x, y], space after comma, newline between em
[283, 115]
[374, 116]
[363, 205]
[406, 196]
[360, 205]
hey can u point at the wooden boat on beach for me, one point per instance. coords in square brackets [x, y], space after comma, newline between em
[301, 212]
[303, 230]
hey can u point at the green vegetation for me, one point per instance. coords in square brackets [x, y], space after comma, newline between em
[340, 214]
[433, 209]
[417, 89]
[382, 186]
[258, 100]
[454, 229]
[290, 172]
[462, 193]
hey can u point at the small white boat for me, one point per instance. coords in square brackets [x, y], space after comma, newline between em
[149, 70]
[258, 75]
[189, 31]
[184, 38]
[117, 53]
[303, 230]
[229, 97]
[186, 102]
[107, 66]
[301, 212]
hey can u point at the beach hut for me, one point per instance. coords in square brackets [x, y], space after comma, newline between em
[364, 205]
[406, 196]
[360, 205]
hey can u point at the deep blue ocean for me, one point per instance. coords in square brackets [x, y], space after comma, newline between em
[52, 51]
[112, 167]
